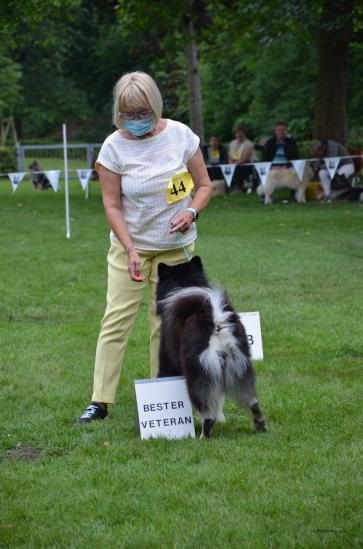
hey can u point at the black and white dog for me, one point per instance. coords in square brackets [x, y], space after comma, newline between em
[39, 179]
[203, 339]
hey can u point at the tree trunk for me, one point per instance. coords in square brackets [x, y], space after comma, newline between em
[331, 93]
[194, 86]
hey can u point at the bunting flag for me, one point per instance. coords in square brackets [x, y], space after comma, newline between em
[53, 176]
[331, 165]
[263, 169]
[299, 167]
[228, 171]
[16, 179]
[84, 177]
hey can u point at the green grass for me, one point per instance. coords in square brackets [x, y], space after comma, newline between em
[299, 485]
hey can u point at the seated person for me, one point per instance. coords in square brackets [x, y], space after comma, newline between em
[280, 148]
[214, 154]
[328, 148]
[241, 151]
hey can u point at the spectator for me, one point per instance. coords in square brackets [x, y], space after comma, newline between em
[328, 148]
[241, 151]
[214, 154]
[280, 148]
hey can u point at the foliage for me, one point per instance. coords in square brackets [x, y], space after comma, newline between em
[14, 15]
[7, 160]
[258, 62]
[298, 485]
[10, 89]
[355, 96]
[274, 83]
[281, 87]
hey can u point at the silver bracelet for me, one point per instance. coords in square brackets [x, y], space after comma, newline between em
[129, 246]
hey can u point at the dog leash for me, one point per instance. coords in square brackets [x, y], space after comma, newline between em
[179, 240]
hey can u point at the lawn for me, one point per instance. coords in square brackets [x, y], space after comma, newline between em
[66, 486]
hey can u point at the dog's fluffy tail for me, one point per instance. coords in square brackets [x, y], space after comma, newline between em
[182, 303]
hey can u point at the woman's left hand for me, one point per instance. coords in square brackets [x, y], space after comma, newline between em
[134, 266]
[181, 222]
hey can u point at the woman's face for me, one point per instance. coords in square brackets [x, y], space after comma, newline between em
[240, 134]
[213, 142]
[137, 119]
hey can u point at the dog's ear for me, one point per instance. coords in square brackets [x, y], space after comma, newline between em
[197, 262]
[163, 269]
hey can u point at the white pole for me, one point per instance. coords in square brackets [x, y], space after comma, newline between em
[68, 226]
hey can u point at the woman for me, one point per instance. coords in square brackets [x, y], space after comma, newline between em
[241, 151]
[147, 168]
[214, 154]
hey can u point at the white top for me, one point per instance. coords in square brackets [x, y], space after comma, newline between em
[146, 166]
[237, 149]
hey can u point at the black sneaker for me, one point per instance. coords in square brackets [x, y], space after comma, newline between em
[93, 411]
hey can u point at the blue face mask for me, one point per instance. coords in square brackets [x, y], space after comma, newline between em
[139, 127]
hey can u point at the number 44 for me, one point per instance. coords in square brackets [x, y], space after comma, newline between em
[181, 189]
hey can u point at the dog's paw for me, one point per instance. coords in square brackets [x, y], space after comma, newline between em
[260, 425]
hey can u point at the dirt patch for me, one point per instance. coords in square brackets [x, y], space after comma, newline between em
[29, 453]
[25, 452]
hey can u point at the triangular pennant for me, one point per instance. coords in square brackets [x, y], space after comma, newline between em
[228, 171]
[299, 167]
[53, 176]
[263, 169]
[16, 179]
[331, 165]
[84, 177]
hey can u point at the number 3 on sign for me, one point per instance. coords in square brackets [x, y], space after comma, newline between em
[179, 186]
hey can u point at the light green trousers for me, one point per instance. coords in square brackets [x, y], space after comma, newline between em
[123, 299]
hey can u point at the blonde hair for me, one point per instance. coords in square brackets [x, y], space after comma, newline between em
[135, 91]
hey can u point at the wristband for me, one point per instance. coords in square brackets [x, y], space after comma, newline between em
[129, 246]
[194, 212]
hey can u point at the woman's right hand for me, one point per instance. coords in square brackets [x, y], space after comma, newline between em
[134, 266]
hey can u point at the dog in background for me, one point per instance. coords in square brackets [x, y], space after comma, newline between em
[285, 177]
[203, 339]
[218, 187]
[39, 179]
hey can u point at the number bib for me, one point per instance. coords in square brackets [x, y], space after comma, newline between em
[179, 186]
[236, 155]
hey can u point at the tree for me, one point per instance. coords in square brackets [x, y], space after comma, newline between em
[330, 26]
[192, 64]
[250, 61]
[334, 36]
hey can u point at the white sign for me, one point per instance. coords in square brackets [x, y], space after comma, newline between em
[331, 165]
[84, 177]
[16, 179]
[53, 176]
[263, 169]
[252, 324]
[228, 171]
[299, 167]
[164, 408]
